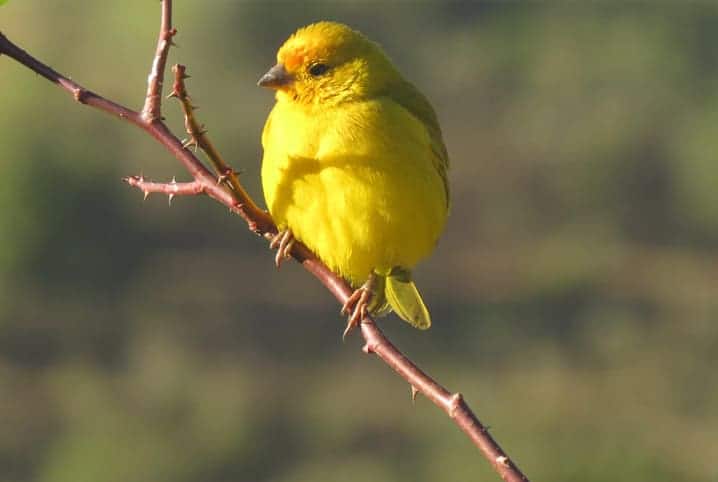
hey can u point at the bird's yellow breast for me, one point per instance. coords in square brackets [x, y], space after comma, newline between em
[357, 183]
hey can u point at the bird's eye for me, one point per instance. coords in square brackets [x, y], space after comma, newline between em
[318, 69]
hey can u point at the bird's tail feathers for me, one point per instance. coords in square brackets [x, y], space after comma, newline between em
[404, 298]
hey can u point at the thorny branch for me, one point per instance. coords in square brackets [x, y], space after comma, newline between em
[153, 100]
[171, 189]
[198, 135]
[227, 190]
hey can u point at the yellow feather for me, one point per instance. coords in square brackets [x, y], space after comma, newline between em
[405, 300]
[354, 163]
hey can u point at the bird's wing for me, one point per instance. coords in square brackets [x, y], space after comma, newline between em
[414, 101]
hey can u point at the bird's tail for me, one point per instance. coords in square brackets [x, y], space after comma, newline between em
[403, 297]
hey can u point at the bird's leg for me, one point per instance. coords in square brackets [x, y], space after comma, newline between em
[357, 305]
[282, 242]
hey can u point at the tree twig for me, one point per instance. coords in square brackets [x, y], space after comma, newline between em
[171, 189]
[258, 220]
[237, 200]
[153, 99]
[198, 135]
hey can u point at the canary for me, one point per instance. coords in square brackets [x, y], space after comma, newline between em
[354, 167]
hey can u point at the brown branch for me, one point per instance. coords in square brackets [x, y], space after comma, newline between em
[171, 189]
[451, 403]
[153, 100]
[260, 222]
[198, 137]
[79, 93]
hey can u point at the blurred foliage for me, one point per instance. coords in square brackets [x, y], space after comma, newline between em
[575, 292]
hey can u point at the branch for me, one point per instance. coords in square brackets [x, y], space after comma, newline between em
[79, 93]
[258, 220]
[198, 137]
[171, 189]
[153, 100]
[237, 200]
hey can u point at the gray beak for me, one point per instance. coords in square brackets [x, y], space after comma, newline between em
[275, 77]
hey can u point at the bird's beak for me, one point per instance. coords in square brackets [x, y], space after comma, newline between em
[275, 77]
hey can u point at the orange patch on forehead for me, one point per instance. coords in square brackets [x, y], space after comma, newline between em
[297, 51]
[292, 60]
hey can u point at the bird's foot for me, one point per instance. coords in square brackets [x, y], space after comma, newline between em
[357, 305]
[283, 242]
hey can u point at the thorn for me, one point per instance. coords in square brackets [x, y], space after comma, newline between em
[454, 403]
[79, 94]
[171, 40]
[174, 180]
[369, 348]
[502, 460]
[174, 93]
[147, 193]
[414, 393]
[186, 76]
[227, 171]
[170, 197]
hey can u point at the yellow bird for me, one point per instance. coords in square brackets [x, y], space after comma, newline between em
[354, 167]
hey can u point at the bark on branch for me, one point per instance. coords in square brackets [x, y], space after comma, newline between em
[226, 189]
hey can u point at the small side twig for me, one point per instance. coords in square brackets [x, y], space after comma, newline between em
[153, 99]
[258, 220]
[237, 200]
[171, 189]
[198, 137]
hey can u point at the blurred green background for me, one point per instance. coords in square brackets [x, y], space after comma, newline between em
[574, 293]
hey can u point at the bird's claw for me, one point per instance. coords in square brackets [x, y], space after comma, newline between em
[357, 307]
[283, 242]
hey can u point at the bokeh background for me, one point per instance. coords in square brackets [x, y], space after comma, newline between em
[574, 293]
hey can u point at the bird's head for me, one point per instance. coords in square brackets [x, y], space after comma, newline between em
[328, 62]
